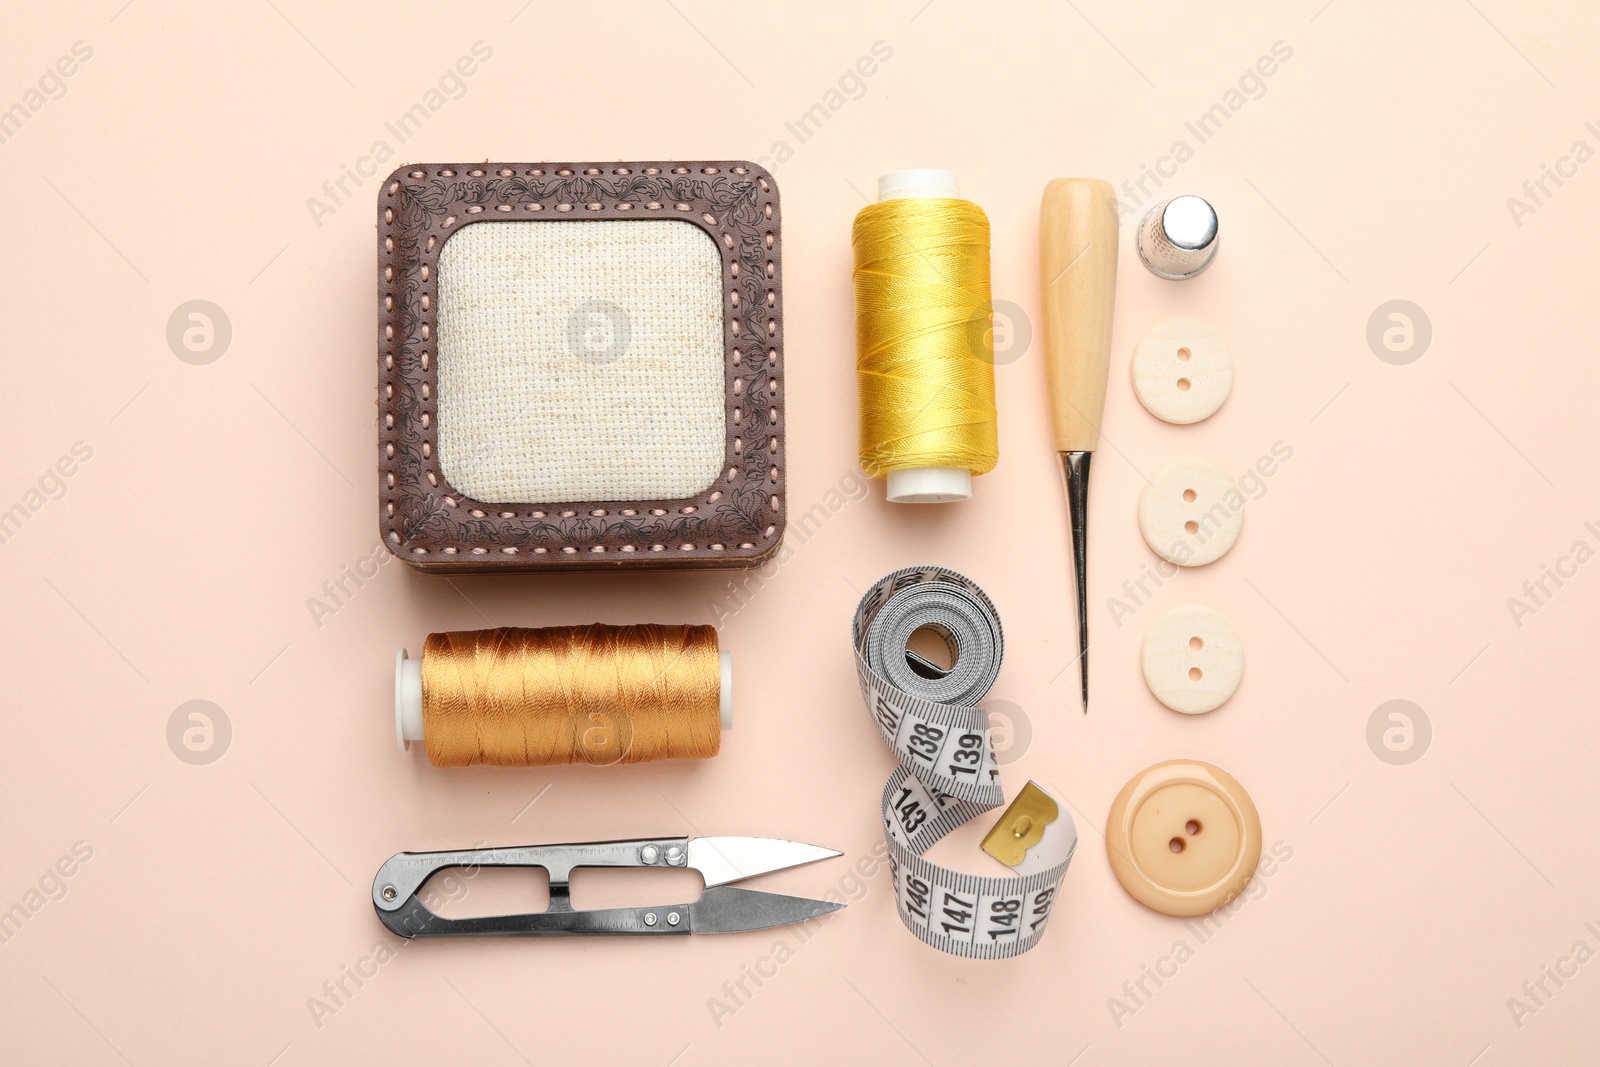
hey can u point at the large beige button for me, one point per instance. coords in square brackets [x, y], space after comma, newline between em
[1183, 837]
[1182, 370]
[1191, 513]
[1193, 659]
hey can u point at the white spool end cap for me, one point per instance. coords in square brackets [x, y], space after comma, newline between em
[407, 700]
[929, 485]
[918, 183]
[725, 691]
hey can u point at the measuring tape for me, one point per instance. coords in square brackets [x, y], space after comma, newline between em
[930, 718]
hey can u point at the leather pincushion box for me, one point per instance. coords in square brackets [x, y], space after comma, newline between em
[579, 366]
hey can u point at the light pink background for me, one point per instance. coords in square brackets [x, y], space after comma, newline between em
[1375, 164]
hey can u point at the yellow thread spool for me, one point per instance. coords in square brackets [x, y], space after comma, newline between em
[924, 338]
[596, 694]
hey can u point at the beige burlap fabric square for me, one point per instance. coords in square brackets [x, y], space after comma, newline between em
[580, 360]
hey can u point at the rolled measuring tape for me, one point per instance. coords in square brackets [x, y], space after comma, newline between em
[930, 718]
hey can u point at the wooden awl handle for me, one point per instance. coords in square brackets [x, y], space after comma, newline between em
[1078, 285]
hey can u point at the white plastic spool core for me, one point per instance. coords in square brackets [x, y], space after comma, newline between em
[924, 485]
[408, 697]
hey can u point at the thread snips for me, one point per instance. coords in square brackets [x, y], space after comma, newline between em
[721, 909]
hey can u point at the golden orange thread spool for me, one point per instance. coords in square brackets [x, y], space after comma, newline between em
[512, 697]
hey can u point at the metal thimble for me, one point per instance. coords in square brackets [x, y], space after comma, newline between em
[1178, 237]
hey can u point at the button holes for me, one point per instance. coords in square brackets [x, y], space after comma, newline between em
[1195, 674]
[1191, 827]
[1189, 496]
[1191, 527]
[1183, 385]
[1196, 644]
[1183, 355]
[1176, 844]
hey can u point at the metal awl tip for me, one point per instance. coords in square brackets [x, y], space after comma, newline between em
[1075, 469]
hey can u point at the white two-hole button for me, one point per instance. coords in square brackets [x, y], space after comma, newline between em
[1191, 513]
[1182, 370]
[1193, 659]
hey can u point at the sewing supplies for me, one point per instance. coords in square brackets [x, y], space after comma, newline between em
[924, 340]
[721, 909]
[1078, 282]
[1183, 837]
[1178, 238]
[573, 694]
[1191, 512]
[1192, 659]
[1182, 371]
[928, 714]
[579, 366]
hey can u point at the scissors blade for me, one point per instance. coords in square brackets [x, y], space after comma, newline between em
[721, 860]
[729, 910]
